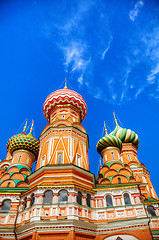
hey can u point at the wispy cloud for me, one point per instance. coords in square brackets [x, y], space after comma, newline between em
[135, 11]
[107, 48]
[133, 62]
[75, 56]
[154, 72]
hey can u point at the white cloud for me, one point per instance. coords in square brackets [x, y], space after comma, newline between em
[80, 80]
[139, 91]
[107, 48]
[134, 13]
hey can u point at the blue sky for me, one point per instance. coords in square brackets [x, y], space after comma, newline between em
[107, 50]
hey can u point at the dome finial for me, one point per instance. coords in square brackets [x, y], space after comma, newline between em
[105, 129]
[31, 129]
[65, 87]
[25, 125]
[115, 118]
[100, 162]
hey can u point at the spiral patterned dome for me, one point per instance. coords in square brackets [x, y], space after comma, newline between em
[64, 96]
[23, 141]
[126, 135]
[108, 141]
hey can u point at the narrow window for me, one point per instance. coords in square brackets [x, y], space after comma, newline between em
[25, 203]
[63, 117]
[59, 158]
[109, 201]
[129, 157]
[151, 211]
[27, 160]
[48, 197]
[19, 158]
[78, 161]
[79, 198]
[32, 200]
[63, 197]
[119, 180]
[6, 206]
[127, 199]
[8, 184]
[88, 200]
[112, 155]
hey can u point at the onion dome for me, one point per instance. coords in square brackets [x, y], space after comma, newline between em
[125, 135]
[108, 141]
[64, 96]
[24, 141]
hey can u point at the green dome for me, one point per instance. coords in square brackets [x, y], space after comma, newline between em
[108, 141]
[23, 141]
[125, 135]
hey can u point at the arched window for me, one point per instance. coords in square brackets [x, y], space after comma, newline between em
[127, 199]
[88, 200]
[6, 206]
[151, 211]
[109, 201]
[48, 197]
[32, 200]
[25, 203]
[79, 198]
[63, 196]
[112, 155]
[119, 180]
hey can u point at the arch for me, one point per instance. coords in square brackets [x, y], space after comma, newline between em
[48, 195]
[127, 199]
[5, 183]
[79, 198]
[88, 200]
[62, 196]
[17, 176]
[25, 171]
[32, 200]
[121, 237]
[109, 201]
[124, 171]
[13, 169]
[151, 210]
[104, 169]
[124, 179]
[105, 181]
[5, 165]
[110, 173]
[6, 205]
[22, 184]
[6, 176]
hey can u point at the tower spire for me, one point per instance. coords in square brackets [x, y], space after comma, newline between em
[105, 129]
[100, 162]
[25, 125]
[115, 118]
[31, 129]
[65, 87]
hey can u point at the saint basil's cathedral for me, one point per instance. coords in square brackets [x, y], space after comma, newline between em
[62, 199]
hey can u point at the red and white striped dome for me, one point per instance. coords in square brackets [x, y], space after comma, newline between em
[64, 96]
